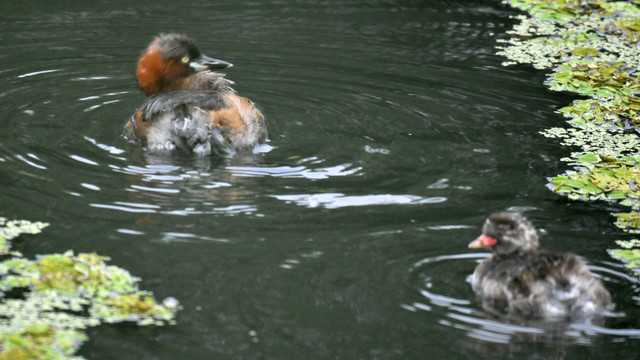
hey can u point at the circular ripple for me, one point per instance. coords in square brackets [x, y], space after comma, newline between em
[445, 290]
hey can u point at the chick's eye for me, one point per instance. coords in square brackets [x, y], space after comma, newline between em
[505, 227]
[185, 60]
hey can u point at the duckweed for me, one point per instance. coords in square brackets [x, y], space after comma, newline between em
[629, 254]
[616, 113]
[595, 79]
[85, 275]
[41, 341]
[559, 31]
[61, 294]
[11, 229]
[605, 181]
[140, 308]
[591, 48]
[561, 11]
[630, 222]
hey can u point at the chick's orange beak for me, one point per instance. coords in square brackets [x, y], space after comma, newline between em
[483, 241]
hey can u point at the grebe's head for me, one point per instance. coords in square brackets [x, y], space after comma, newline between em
[169, 59]
[507, 232]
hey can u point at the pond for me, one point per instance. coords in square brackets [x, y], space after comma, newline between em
[394, 132]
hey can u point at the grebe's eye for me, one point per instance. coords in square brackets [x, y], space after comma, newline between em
[185, 60]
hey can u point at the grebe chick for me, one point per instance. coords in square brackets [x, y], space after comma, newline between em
[529, 282]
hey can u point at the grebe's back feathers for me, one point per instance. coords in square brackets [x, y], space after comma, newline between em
[157, 104]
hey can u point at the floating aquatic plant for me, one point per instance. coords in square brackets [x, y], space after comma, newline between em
[84, 275]
[597, 141]
[628, 221]
[628, 28]
[558, 32]
[61, 294]
[595, 79]
[629, 254]
[41, 341]
[617, 113]
[560, 11]
[591, 46]
[11, 229]
[614, 183]
[138, 307]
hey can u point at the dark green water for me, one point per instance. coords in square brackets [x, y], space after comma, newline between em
[395, 132]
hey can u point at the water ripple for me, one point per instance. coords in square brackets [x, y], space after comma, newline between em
[436, 278]
[338, 200]
[38, 73]
[30, 162]
[296, 171]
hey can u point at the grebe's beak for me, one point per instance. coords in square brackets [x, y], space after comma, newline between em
[483, 241]
[203, 62]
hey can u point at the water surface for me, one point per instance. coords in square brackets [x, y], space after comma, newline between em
[394, 132]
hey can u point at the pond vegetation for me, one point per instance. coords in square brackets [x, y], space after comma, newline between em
[47, 302]
[591, 49]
